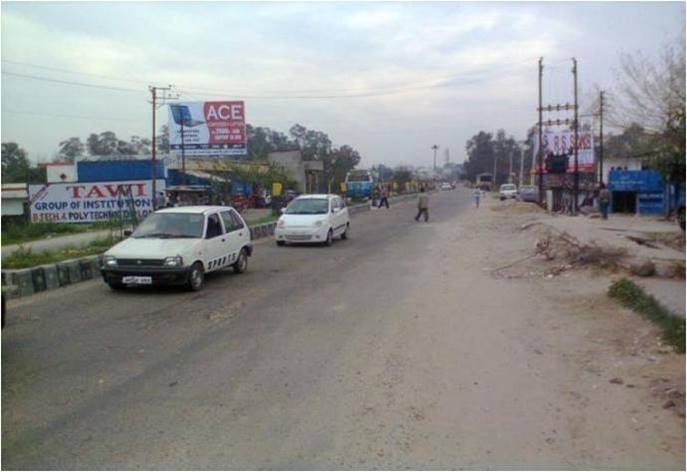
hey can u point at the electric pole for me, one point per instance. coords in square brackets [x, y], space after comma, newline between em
[576, 189]
[434, 148]
[510, 167]
[522, 158]
[601, 136]
[153, 91]
[540, 150]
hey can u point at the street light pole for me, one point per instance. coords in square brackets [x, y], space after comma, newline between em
[434, 148]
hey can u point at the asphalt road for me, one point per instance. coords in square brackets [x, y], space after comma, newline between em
[166, 379]
[394, 349]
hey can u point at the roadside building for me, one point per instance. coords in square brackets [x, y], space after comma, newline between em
[640, 192]
[306, 174]
[15, 198]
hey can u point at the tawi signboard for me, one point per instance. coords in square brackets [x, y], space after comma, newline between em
[81, 202]
[210, 129]
[561, 142]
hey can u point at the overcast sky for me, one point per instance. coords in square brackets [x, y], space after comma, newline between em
[403, 76]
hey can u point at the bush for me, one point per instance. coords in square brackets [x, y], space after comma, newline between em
[18, 233]
[633, 296]
[25, 257]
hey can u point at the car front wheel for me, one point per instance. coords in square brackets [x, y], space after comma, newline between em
[196, 278]
[344, 235]
[330, 237]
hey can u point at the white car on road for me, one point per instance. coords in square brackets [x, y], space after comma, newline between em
[508, 191]
[313, 219]
[178, 246]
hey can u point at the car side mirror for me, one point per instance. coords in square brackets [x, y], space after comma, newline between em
[127, 233]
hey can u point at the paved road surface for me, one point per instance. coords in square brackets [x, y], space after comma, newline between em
[389, 350]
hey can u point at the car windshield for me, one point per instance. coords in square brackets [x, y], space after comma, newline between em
[507, 187]
[171, 225]
[308, 206]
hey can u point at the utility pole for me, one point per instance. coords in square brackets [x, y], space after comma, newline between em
[540, 150]
[493, 178]
[434, 148]
[576, 189]
[601, 136]
[510, 167]
[522, 158]
[153, 91]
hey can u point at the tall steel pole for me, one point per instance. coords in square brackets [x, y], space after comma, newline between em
[576, 144]
[601, 136]
[153, 91]
[434, 148]
[522, 159]
[540, 151]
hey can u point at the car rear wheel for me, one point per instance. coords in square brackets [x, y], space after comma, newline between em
[241, 265]
[196, 278]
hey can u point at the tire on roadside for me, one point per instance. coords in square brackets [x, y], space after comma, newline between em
[196, 278]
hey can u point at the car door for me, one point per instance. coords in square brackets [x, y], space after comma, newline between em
[337, 215]
[236, 231]
[215, 241]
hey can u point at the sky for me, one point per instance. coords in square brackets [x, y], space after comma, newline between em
[389, 79]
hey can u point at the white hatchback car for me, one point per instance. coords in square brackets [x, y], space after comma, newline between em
[313, 219]
[508, 191]
[178, 246]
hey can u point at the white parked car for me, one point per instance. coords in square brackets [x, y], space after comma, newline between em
[178, 246]
[313, 219]
[446, 186]
[508, 191]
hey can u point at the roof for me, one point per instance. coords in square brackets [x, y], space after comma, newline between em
[198, 209]
[317, 195]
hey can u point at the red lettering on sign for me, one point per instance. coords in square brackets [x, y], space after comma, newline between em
[141, 190]
[95, 190]
[75, 190]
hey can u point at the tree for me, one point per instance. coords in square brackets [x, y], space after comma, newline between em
[651, 93]
[314, 145]
[103, 144]
[338, 163]
[383, 172]
[15, 163]
[162, 140]
[481, 154]
[70, 149]
[402, 175]
[261, 141]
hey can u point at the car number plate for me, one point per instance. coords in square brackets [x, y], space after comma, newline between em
[134, 279]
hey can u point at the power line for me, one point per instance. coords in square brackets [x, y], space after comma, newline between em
[67, 71]
[80, 117]
[67, 82]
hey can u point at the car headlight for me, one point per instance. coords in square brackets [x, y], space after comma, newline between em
[110, 261]
[175, 261]
[281, 224]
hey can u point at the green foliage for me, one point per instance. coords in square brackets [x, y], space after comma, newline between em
[107, 144]
[486, 154]
[70, 149]
[261, 141]
[15, 163]
[25, 232]
[402, 175]
[25, 257]
[633, 296]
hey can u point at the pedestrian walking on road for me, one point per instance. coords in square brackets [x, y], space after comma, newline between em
[604, 200]
[422, 205]
[476, 194]
[384, 199]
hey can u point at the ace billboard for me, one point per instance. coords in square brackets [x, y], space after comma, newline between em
[81, 202]
[561, 142]
[210, 129]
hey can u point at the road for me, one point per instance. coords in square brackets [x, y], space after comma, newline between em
[393, 349]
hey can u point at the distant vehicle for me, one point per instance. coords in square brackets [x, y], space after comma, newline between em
[528, 193]
[178, 246]
[508, 191]
[446, 186]
[359, 184]
[484, 182]
[313, 219]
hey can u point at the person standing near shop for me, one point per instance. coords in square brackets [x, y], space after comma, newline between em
[604, 200]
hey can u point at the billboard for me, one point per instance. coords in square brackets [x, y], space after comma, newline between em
[561, 142]
[83, 202]
[210, 129]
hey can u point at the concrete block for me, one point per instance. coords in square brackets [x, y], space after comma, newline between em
[38, 278]
[52, 280]
[70, 271]
[95, 263]
[23, 280]
[62, 275]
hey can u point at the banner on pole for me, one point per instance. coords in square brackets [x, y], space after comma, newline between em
[210, 129]
[561, 142]
[82, 202]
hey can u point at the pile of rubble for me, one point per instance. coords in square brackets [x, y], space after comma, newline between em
[516, 207]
